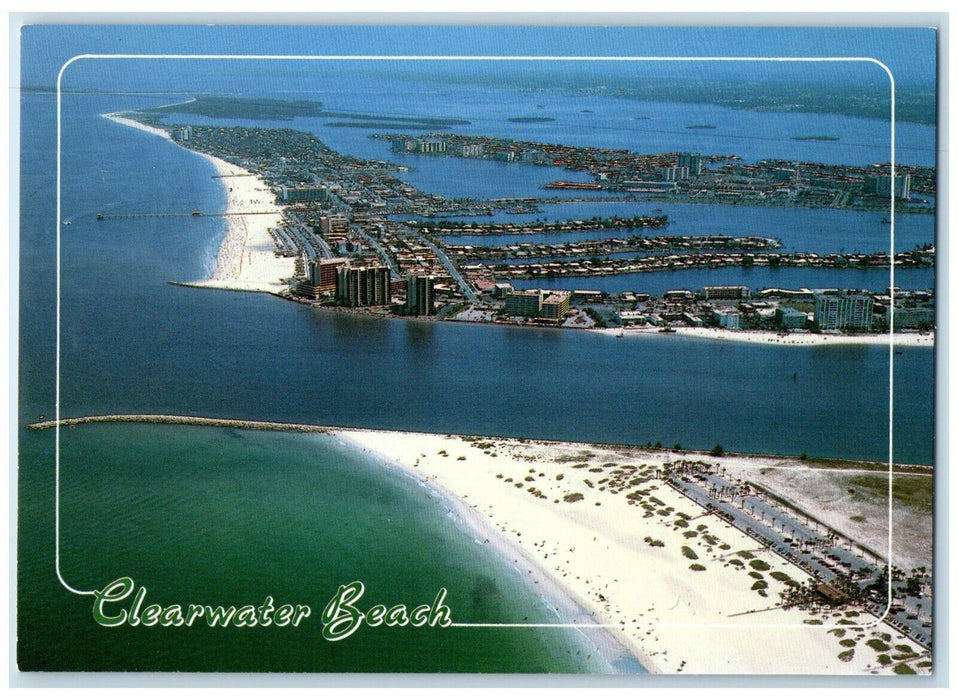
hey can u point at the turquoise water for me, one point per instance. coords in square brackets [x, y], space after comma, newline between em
[227, 517]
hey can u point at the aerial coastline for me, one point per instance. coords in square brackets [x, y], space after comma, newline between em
[252, 257]
[347, 384]
[619, 539]
[245, 260]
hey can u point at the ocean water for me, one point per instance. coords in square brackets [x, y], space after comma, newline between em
[229, 517]
[233, 515]
[133, 343]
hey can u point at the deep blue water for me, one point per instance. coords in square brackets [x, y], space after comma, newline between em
[132, 342]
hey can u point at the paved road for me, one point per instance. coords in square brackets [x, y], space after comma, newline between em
[447, 263]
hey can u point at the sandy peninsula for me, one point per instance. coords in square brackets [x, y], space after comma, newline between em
[247, 259]
[680, 602]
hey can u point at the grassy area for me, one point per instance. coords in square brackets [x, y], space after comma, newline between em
[915, 492]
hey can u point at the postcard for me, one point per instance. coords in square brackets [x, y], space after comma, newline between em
[446, 349]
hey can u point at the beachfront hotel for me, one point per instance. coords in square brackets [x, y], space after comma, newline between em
[363, 286]
[419, 295]
[843, 311]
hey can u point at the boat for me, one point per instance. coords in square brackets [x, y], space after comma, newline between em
[196, 212]
[567, 185]
[99, 216]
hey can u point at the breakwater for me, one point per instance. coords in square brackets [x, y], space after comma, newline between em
[181, 420]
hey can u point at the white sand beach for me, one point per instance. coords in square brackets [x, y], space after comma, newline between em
[924, 340]
[662, 572]
[247, 259]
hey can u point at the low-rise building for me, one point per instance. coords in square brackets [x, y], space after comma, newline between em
[787, 317]
[727, 318]
[524, 303]
[725, 292]
[556, 305]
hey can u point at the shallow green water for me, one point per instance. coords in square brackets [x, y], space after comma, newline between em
[227, 517]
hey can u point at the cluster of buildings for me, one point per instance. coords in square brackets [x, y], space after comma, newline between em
[357, 284]
[736, 307]
[353, 251]
[684, 175]
[536, 303]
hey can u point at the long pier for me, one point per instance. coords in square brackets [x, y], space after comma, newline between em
[180, 420]
[135, 215]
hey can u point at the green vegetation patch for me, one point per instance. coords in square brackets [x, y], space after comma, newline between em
[846, 655]
[746, 555]
[760, 585]
[759, 565]
[913, 491]
[689, 553]
[904, 669]
[572, 497]
[878, 645]
[696, 567]
[848, 642]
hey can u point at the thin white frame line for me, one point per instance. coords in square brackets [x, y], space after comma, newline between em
[705, 59]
